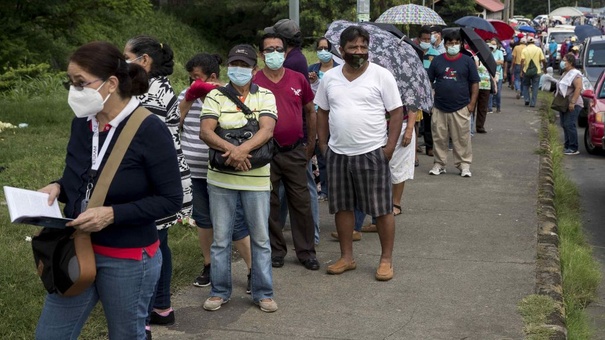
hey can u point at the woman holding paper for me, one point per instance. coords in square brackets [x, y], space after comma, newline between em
[102, 94]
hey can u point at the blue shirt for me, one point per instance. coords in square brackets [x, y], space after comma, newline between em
[552, 47]
[452, 78]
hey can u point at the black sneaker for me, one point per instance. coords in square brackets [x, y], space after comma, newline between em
[204, 279]
[248, 286]
[157, 319]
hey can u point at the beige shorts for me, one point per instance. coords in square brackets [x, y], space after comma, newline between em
[402, 162]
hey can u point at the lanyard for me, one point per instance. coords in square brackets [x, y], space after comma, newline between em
[96, 158]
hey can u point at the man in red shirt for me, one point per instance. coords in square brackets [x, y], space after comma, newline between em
[293, 94]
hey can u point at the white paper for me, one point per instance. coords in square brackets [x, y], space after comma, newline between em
[31, 207]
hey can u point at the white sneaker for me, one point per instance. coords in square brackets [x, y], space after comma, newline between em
[437, 170]
[212, 305]
[465, 173]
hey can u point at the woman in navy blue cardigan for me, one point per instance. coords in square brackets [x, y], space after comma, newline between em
[147, 186]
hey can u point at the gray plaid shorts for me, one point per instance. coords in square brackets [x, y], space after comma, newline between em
[362, 182]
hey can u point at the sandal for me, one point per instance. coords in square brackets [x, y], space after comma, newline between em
[416, 163]
[369, 228]
[398, 207]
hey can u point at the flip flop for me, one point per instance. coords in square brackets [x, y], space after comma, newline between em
[395, 206]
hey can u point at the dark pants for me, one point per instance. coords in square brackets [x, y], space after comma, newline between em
[482, 108]
[290, 168]
[161, 294]
[428, 135]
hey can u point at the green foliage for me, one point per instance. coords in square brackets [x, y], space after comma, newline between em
[581, 273]
[12, 76]
[535, 310]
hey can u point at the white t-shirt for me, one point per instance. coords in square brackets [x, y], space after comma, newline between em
[357, 108]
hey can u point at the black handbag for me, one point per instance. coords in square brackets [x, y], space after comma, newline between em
[560, 103]
[260, 156]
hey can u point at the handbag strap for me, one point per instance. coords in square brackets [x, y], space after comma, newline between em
[115, 158]
[229, 94]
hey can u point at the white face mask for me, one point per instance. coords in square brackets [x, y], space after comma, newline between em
[86, 102]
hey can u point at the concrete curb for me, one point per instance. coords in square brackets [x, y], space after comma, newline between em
[548, 265]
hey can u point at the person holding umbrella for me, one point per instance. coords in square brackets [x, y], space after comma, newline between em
[456, 83]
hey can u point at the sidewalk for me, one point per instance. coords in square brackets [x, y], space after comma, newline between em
[464, 257]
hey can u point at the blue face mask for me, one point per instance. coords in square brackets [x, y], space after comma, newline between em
[433, 39]
[239, 76]
[324, 56]
[425, 45]
[453, 50]
[275, 60]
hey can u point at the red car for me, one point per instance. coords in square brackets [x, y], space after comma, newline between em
[594, 137]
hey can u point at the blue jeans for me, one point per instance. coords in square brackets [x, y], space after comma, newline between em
[517, 73]
[532, 81]
[255, 205]
[568, 123]
[201, 210]
[360, 216]
[314, 203]
[124, 287]
[495, 98]
[323, 173]
[161, 298]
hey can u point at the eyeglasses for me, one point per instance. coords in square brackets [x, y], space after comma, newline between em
[273, 49]
[78, 86]
[323, 49]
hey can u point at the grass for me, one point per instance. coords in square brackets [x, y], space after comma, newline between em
[32, 157]
[535, 310]
[581, 272]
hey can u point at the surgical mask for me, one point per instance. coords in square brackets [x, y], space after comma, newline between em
[324, 56]
[275, 60]
[425, 45]
[433, 39]
[355, 60]
[86, 102]
[453, 50]
[239, 76]
[492, 46]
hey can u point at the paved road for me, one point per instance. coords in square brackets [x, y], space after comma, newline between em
[464, 257]
[588, 172]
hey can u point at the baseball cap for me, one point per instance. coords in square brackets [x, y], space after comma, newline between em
[573, 39]
[244, 52]
[575, 48]
[285, 27]
[523, 40]
[530, 39]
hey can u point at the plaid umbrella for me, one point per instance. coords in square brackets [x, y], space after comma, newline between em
[398, 57]
[410, 14]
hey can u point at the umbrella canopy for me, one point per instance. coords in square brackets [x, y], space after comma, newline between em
[566, 12]
[410, 14]
[526, 29]
[478, 45]
[398, 57]
[476, 22]
[503, 31]
[396, 32]
[586, 31]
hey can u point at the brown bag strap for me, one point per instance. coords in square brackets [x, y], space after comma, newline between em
[115, 158]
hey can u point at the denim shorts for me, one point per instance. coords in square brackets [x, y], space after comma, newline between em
[201, 210]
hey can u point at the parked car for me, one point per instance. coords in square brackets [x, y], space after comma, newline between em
[591, 64]
[593, 136]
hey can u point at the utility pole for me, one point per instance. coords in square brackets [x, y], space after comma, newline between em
[512, 8]
[363, 10]
[294, 12]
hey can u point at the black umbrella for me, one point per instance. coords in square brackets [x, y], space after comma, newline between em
[478, 46]
[476, 22]
[396, 32]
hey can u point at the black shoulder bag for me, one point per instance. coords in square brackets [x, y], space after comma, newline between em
[260, 156]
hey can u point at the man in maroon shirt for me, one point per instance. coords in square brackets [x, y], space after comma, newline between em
[293, 94]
